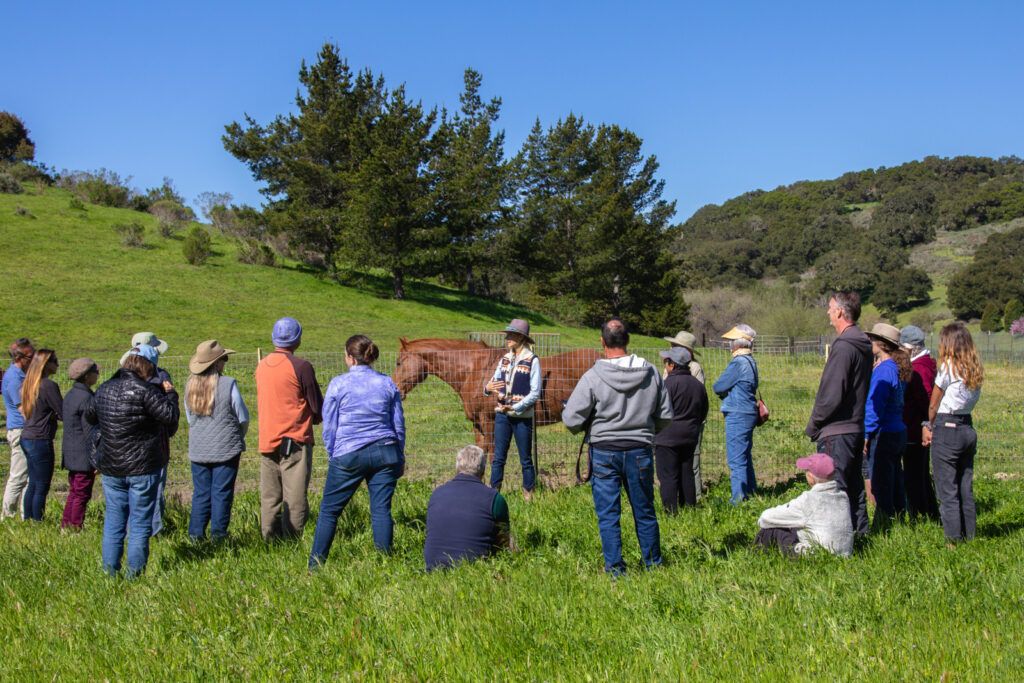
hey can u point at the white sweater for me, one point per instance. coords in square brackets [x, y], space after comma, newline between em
[821, 517]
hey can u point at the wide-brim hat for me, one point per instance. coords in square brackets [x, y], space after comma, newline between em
[207, 353]
[149, 339]
[684, 339]
[737, 333]
[885, 332]
[520, 327]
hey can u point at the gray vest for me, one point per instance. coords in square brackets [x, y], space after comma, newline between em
[216, 437]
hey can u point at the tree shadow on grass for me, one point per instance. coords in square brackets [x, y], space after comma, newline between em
[999, 529]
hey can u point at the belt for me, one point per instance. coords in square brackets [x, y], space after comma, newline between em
[951, 420]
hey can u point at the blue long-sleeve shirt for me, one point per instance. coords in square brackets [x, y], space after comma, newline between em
[884, 409]
[737, 387]
[13, 379]
[361, 407]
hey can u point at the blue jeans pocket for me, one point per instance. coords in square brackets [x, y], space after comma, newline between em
[350, 462]
[386, 453]
[604, 464]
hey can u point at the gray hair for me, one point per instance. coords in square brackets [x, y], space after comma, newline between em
[743, 343]
[471, 460]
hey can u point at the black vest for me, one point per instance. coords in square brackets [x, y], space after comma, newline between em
[460, 522]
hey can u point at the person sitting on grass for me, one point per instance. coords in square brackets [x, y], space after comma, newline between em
[819, 517]
[466, 519]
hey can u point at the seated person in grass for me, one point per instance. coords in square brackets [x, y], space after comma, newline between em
[819, 517]
[466, 519]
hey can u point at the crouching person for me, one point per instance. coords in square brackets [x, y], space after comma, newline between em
[466, 519]
[819, 517]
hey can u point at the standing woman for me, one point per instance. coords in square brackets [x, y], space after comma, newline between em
[674, 445]
[737, 387]
[950, 430]
[516, 384]
[916, 459]
[884, 431]
[42, 406]
[133, 415]
[218, 421]
[75, 444]
[364, 435]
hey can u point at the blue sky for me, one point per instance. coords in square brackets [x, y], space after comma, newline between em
[730, 96]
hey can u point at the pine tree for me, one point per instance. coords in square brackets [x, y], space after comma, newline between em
[991, 318]
[1014, 311]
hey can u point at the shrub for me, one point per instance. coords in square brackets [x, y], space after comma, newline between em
[253, 252]
[991, 318]
[9, 184]
[197, 246]
[131, 233]
[1017, 328]
[102, 187]
[30, 172]
[75, 204]
[1014, 310]
[22, 211]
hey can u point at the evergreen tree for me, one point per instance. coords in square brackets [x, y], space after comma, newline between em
[15, 144]
[473, 190]
[1014, 311]
[991, 318]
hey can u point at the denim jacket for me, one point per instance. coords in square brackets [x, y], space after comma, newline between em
[361, 407]
[737, 387]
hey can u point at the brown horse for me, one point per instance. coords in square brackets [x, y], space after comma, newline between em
[466, 366]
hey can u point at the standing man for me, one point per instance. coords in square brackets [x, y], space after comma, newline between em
[164, 432]
[288, 401]
[622, 403]
[689, 342]
[21, 352]
[837, 419]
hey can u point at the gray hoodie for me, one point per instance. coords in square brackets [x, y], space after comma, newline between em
[624, 398]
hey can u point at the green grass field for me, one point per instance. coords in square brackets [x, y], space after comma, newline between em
[903, 608]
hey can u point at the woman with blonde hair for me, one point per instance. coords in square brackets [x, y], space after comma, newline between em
[950, 430]
[218, 421]
[42, 406]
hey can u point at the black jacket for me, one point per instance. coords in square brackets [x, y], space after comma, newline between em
[843, 391]
[690, 406]
[74, 446]
[133, 416]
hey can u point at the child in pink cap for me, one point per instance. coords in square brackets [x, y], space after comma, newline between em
[819, 517]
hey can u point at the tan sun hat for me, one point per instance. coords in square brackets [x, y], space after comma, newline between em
[885, 332]
[207, 353]
[737, 333]
[684, 339]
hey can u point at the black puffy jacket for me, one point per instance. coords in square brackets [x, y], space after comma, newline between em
[130, 412]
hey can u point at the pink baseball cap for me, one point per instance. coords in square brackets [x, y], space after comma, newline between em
[819, 464]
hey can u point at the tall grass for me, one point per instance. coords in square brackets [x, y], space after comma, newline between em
[904, 607]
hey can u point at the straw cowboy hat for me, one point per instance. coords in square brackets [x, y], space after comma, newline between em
[886, 333]
[207, 353]
[520, 327]
[684, 339]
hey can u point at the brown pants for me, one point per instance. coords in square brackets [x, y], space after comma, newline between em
[283, 483]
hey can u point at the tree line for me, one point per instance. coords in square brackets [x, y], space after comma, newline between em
[574, 224]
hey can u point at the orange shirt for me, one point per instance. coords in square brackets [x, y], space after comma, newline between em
[288, 399]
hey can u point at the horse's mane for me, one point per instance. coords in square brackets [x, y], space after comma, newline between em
[441, 344]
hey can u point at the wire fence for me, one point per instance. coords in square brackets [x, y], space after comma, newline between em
[438, 425]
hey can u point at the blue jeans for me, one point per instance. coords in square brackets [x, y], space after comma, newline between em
[739, 441]
[39, 458]
[380, 464]
[213, 491]
[885, 469]
[505, 428]
[634, 470]
[129, 503]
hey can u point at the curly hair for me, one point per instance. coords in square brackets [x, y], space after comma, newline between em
[956, 347]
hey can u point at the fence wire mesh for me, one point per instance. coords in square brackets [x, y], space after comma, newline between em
[437, 424]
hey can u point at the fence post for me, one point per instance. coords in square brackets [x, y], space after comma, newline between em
[792, 346]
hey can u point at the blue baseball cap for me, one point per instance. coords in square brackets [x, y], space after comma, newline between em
[148, 352]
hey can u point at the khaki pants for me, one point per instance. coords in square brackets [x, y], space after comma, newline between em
[17, 480]
[283, 483]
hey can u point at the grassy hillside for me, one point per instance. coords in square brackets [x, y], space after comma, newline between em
[70, 284]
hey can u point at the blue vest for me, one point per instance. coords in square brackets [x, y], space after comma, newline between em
[460, 522]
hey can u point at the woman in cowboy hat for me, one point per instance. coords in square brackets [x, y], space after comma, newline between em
[218, 420]
[884, 431]
[737, 387]
[516, 386]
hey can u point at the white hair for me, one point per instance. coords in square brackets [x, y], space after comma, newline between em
[471, 460]
[743, 343]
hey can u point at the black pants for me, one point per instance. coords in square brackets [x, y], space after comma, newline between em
[674, 465]
[953, 451]
[847, 453]
[783, 539]
[918, 482]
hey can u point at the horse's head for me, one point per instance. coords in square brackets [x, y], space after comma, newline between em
[411, 368]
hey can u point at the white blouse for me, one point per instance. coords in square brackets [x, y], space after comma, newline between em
[957, 399]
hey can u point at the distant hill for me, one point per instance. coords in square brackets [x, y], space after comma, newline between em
[852, 232]
[69, 283]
